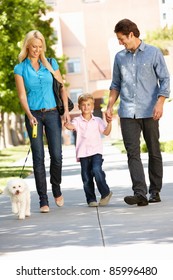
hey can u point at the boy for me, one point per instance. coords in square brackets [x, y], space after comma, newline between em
[89, 150]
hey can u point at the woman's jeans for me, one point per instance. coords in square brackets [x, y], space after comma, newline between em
[131, 132]
[50, 123]
[91, 167]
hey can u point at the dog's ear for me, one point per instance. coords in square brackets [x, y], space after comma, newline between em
[7, 188]
[24, 184]
[6, 191]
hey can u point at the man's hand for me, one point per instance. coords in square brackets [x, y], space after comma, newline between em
[109, 114]
[158, 108]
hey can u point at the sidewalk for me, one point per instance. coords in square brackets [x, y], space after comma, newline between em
[75, 230]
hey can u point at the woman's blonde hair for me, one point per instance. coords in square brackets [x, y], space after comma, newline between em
[30, 36]
[85, 97]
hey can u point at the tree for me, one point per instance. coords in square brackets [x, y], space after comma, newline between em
[105, 103]
[17, 17]
[161, 38]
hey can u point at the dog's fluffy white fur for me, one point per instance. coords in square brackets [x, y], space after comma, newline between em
[19, 194]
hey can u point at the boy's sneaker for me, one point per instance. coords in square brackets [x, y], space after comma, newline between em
[93, 204]
[105, 201]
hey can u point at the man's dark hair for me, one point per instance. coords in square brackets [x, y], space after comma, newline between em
[125, 26]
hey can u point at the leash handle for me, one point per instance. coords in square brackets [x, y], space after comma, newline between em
[34, 131]
[25, 162]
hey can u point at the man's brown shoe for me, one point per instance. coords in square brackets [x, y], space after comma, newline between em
[154, 197]
[136, 199]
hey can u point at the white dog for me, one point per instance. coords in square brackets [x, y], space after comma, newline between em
[19, 194]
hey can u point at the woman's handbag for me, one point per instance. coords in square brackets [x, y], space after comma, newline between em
[57, 86]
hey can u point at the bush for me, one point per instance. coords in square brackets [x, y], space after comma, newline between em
[144, 148]
[166, 147]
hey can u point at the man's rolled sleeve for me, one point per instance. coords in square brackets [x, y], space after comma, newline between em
[116, 81]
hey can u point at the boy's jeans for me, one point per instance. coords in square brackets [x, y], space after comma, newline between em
[91, 167]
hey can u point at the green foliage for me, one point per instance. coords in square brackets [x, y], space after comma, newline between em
[144, 148]
[7, 158]
[161, 38]
[105, 103]
[166, 147]
[17, 17]
[61, 61]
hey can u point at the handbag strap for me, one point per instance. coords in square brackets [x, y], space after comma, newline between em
[50, 61]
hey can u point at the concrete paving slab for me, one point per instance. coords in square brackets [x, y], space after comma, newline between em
[75, 231]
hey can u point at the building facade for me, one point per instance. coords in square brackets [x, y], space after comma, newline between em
[85, 30]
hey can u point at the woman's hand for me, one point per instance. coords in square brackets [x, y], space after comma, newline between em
[66, 117]
[32, 120]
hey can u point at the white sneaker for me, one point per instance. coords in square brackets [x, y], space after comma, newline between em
[105, 201]
[93, 204]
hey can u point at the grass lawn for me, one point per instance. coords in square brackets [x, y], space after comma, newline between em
[7, 158]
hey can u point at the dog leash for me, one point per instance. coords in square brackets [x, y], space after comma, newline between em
[25, 162]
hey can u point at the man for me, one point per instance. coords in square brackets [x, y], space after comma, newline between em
[141, 80]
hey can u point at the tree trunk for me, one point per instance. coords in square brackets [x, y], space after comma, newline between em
[20, 131]
[2, 139]
[7, 133]
[14, 136]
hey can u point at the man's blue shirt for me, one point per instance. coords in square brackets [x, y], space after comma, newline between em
[38, 84]
[140, 78]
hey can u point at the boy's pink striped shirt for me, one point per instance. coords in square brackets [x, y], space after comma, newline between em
[88, 140]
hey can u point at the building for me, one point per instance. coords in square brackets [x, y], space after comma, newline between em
[166, 13]
[85, 30]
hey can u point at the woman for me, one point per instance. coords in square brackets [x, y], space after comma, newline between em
[33, 77]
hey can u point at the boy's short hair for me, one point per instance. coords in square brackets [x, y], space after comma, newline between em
[85, 97]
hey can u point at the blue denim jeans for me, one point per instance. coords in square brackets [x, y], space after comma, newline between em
[131, 132]
[50, 124]
[91, 167]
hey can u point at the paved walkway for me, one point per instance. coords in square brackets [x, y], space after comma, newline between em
[117, 231]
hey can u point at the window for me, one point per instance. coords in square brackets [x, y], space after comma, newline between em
[51, 3]
[164, 16]
[74, 94]
[92, 1]
[73, 65]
